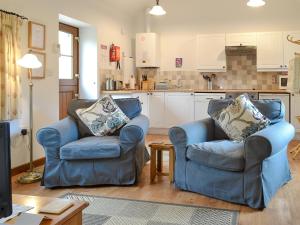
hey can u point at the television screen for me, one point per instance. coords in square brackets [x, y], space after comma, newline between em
[5, 176]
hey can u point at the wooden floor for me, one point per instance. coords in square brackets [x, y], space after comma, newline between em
[283, 210]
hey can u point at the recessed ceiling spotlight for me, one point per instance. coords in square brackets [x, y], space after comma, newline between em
[256, 3]
[157, 10]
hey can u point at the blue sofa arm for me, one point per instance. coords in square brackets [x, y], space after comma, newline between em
[268, 141]
[191, 133]
[58, 134]
[134, 132]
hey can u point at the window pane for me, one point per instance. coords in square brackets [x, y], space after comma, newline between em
[65, 67]
[66, 43]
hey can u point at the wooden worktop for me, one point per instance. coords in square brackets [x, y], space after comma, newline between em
[197, 91]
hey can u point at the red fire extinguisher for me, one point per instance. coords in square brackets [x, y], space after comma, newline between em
[114, 55]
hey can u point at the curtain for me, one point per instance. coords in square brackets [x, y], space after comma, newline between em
[9, 72]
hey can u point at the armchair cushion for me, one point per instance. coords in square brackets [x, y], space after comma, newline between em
[220, 154]
[92, 148]
[130, 106]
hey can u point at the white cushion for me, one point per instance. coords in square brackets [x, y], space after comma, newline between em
[103, 117]
[240, 119]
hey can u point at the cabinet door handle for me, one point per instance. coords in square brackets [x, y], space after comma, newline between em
[209, 98]
[192, 94]
[224, 67]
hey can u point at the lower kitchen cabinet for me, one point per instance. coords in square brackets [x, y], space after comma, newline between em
[285, 98]
[201, 104]
[144, 99]
[179, 108]
[157, 109]
[295, 111]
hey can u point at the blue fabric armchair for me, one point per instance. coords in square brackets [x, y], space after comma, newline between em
[75, 158]
[248, 173]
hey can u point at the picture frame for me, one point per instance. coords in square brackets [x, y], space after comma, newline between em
[40, 72]
[36, 35]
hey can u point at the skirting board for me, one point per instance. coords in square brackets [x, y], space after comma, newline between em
[23, 168]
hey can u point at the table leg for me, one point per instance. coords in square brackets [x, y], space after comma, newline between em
[171, 165]
[159, 161]
[152, 165]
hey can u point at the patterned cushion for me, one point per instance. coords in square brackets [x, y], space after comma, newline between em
[104, 117]
[240, 119]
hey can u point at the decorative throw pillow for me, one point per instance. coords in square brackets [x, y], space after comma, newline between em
[240, 119]
[104, 117]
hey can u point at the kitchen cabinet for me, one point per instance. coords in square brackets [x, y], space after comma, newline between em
[295, 111]
[211, 55]
[144, 99]
[157, 109]
[201, 103]
[290, 48]
[179, 108]
[285, 98]
[241, 39]
[270, 55]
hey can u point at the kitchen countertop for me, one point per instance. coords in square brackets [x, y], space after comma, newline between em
[197, 91]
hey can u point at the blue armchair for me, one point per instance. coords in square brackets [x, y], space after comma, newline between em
[248, 173]
[75, 158]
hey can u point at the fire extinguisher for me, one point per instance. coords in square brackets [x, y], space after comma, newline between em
[114, 55]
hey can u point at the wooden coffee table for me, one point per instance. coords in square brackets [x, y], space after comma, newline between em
[72, 216]
[156, 162]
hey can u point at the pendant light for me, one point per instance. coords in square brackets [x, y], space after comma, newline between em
[256, 3]
[157, 10]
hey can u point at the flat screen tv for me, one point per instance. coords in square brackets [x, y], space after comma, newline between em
[5, 176]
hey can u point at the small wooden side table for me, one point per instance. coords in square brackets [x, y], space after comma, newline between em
[156, 162]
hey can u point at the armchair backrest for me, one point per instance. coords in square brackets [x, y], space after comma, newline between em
[130, 106]
[274, 110]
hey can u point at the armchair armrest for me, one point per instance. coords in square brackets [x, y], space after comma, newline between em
[58, 134]
[191, 133]
[134, 132]
[268, 141]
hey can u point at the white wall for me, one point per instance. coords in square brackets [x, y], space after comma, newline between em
[89, 86]
[109, 25]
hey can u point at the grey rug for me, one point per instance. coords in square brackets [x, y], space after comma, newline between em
[115, 211]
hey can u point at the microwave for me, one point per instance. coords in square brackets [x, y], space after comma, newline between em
[283, 82]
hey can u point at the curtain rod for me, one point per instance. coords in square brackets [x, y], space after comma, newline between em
[15, 14]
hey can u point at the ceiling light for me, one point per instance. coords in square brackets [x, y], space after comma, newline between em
[256, 3]
[157, 10]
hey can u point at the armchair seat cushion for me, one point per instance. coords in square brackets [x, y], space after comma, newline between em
[92, 148]
[221, 154]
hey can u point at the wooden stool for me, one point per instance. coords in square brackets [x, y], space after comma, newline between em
[156, 163]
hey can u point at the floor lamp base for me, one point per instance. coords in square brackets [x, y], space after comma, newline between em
[30, 177]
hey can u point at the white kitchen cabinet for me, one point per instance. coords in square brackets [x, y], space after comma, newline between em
[241, 39]
[270, 55]
[211, 56]
[157, 109]
[285, 98]
[179, 108]
[290, 48]
[295, 111]
[202, 101]
[144, 99]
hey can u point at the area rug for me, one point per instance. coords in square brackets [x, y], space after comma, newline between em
[116, 211]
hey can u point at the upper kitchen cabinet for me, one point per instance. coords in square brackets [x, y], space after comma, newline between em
[290, 48]
[270, 52]
[241, 39]
[147, 50]
[211, 56]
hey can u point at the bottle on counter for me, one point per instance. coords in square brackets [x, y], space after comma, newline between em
[132, 82]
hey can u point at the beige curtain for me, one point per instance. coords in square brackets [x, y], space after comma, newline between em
[9, 72]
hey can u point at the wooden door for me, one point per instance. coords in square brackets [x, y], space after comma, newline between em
[68, 67]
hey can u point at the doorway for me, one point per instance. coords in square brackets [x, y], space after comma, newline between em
[68, 66]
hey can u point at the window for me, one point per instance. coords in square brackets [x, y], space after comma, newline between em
[66, 55]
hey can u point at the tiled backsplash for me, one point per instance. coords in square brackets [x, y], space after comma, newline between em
[241, 74]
